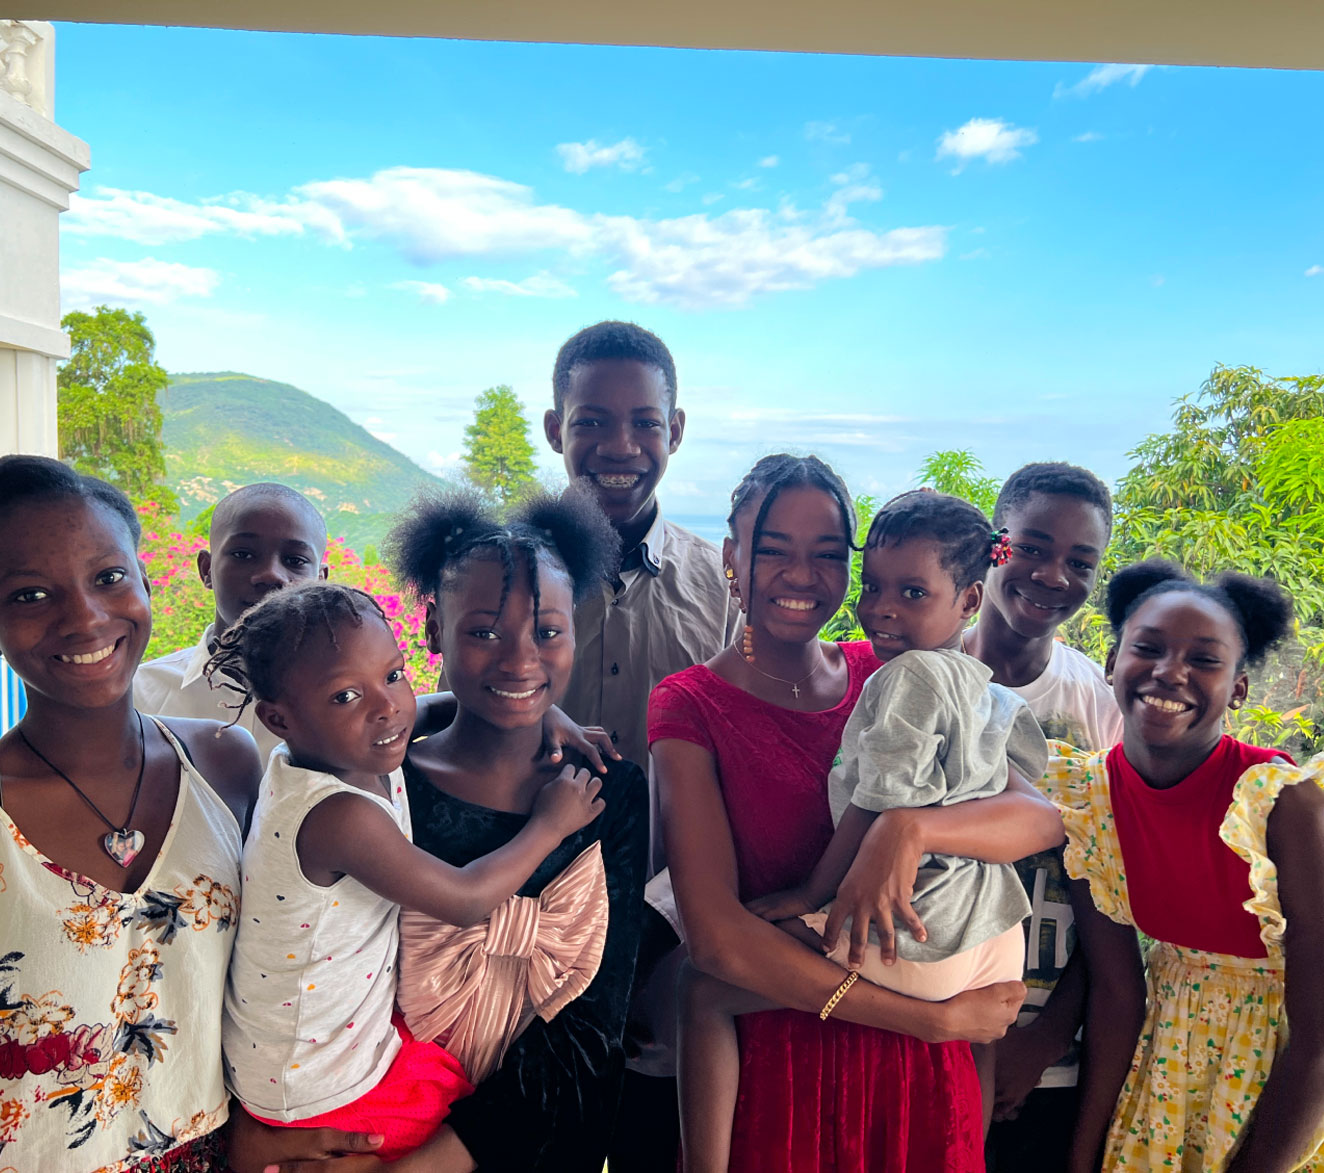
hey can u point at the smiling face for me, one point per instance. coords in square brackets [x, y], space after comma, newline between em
[75, 617]
[1176, 671]
[908, 600]
[262, 547]
[348, 709]
[802, 567]
[507, 669]
[1056, 543]
[616, 429]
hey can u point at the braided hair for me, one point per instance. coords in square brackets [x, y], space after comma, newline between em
[440, 533]
[253, 654]
[1261, 609]
[774, 474]
[962, 532]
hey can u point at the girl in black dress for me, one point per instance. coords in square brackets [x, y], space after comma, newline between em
[500, 612]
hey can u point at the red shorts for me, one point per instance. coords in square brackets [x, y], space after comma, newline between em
[407, 1105]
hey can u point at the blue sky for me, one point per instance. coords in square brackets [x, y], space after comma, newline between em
[869, 258]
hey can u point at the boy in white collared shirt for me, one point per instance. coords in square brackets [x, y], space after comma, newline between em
[263, 537]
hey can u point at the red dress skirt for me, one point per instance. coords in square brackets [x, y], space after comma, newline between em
[815, 1097]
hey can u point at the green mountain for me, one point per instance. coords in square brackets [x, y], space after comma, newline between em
[223, 430]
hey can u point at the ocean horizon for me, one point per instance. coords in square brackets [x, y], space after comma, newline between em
[710, 526]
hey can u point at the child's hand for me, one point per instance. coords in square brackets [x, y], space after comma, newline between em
[569, 801]
[593, 741]
[878, 887]
[782, 905]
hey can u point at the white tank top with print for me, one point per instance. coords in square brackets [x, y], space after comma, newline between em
[312, 984]
[110, 1002]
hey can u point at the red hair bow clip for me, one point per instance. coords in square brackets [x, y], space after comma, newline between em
[999, 550]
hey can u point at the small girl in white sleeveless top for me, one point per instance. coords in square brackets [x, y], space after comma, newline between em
[310, 1037]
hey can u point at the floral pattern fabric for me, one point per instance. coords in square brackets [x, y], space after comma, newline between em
[110, 1001]
[1212, 1021]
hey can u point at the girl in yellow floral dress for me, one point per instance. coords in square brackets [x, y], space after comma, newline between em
[1215, 849]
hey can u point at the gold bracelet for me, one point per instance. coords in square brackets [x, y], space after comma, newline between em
[840, 992]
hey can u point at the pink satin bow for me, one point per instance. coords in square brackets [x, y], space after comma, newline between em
[475, 989]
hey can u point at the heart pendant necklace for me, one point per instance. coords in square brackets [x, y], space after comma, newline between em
[124, 843]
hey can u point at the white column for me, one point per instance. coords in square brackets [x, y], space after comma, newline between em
[39, 168]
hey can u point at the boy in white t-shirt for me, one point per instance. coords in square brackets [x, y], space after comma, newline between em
[1059, 519]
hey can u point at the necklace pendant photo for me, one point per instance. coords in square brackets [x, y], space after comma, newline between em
[123, 846]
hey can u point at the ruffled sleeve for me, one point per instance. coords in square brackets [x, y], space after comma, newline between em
[1076, 782]
[1244, 829]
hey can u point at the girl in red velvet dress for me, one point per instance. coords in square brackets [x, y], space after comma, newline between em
[742, 751]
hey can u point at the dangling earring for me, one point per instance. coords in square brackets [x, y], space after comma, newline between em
[746, 640]
[735, 587]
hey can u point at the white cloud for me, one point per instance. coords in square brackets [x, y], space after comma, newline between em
[145, 218]
[977, 254]
[854, 185]
[699, 261]
[145, 282]
[681, 182]
[769, 161]
[711, 198]
[1090, 136]
[580, 157]
[1100, 78]
[430, 216]
[441, 462]
[747, 184]
[1315, 271]
[428, 291]
[539, 285]
[434, 214]
[989, 139]
[826, 132]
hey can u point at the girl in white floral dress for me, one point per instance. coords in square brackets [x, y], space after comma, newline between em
[1215, 849]
[119, 861]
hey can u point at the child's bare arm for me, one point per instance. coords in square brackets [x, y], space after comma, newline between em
[349, 835]
[831, 869]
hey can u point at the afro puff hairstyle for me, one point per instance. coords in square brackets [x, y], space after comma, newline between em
[1261, 608]
[439, 534]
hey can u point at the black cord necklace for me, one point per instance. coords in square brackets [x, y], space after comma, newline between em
[124, 843]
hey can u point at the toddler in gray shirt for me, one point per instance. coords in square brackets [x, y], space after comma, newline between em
[930, 729]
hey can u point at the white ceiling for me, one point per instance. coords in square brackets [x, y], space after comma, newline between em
[1286, 34]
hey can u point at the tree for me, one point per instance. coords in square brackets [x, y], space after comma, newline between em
[109, 419]
[498, 456]
[1235, 485]
[960, 473]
